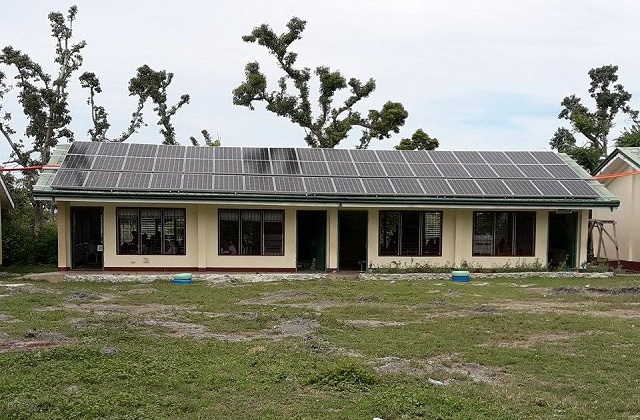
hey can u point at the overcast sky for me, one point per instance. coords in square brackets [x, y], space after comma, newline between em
[478, 75]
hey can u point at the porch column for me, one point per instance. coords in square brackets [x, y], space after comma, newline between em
[332, 239]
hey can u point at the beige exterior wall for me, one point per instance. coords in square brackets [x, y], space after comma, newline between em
[627, 189]
[202, 239]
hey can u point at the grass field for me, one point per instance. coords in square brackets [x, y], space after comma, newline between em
[325, 349]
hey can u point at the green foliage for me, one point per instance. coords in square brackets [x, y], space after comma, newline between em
[208, 141]
[334, 122]
[345, 377]
[19, 244]
[418, 141]
[630, 137]
[610, 99]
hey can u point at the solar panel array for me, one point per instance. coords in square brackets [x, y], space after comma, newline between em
[287, 171]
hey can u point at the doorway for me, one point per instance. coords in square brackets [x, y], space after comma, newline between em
[352, 240]
[563, 234]
[311, 240]
[87, 246]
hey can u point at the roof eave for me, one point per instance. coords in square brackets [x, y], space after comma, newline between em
[443, 200]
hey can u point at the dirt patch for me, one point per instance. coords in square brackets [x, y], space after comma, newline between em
[444, 366]
[295, 327]
[367, 299]
[373, 323]
[612, 291]
[104, 308]
[141, 291]
[12, 289]
[276, 297]
[536, 339]
[32, 340]
[569, 308]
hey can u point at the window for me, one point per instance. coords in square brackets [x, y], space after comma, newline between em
[504, 233]
[251, 232]
[151, 231]
[410, 233]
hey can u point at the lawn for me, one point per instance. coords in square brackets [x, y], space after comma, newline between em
[322, 349]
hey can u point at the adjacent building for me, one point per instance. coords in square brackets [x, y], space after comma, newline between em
[620, 172]
[154, 207]
[5, 203]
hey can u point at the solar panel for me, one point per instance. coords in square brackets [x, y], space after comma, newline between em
[289, 184]
[547, 158]
[69, 178]
[170, 151]
[408, 186]
[200, 152]
[534, 171]
[442, 156]
[428, 170]
[282, 153]
[363, 155]
[342, 168]
[199, 166]
[113, 149]
[166, 181]
[378, 186]
[231, 153]
[562, 172]
[580, 188]
[507, 171]
[257, 167]
[255, 153]
[102, 180]
[142, 150]
[550, 188]
[397, 169]
[84, 147]
[480, 171]
[77, 162]
[370, 169]
[348, 185]
[392, 156]
[134, 181]
[228, 166]
[495, 158]
[319, 185]
[522, 187]
[465, 187]
[417, 156]
[469, 157]
[138, 164]
[169, 165]
[259, 183]
[310, 155]
[314, 168]
[494, 187]
[337, 155]
[285, 167]
[435, 186]
[521, 157]
[228, 183]
[197, 182]
[453, 170]
[108, 163]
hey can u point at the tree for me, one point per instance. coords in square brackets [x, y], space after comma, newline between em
[418, 141]
[610, 100]
[333, 123]
[630, 137]
[147, 84]
[208, 141]
[43, 99]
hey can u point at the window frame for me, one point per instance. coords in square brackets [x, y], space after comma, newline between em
[422, 245]
[513, 234]
[239, 248]
[137, 212]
